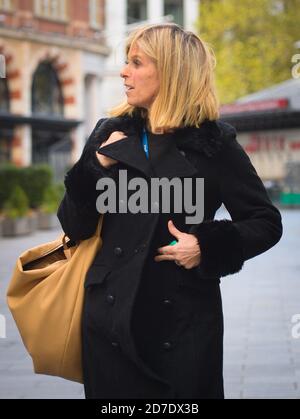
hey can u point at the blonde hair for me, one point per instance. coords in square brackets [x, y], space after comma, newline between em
[185, 65]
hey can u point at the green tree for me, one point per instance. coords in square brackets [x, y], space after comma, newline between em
[253, 41]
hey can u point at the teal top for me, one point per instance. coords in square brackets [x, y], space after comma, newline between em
[145, 142]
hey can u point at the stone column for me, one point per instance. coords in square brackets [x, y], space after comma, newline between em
[21, 146]
[112, 84]
[19, 78]
[155, 9]
[191, 14]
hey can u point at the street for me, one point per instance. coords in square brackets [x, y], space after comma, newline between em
[261, 357]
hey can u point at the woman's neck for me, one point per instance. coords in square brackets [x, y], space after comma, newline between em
[159, 131]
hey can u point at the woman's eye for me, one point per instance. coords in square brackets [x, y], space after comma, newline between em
[135, 62]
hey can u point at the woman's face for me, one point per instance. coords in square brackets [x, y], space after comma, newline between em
[141, 75]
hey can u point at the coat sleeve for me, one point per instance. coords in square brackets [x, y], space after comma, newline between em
[77, 211]
[255, 224]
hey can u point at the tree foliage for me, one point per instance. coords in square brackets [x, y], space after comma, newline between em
[253, 40]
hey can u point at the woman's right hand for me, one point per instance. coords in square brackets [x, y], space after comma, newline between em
[107, 161]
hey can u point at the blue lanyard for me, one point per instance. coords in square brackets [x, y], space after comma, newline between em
[145, 143]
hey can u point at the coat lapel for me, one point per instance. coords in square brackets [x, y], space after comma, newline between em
[166, 151]
[130, 152]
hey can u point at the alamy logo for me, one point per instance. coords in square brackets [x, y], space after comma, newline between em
[182, 196]
[296, 328]
[2, 327]
[2, 67]
[296, 67]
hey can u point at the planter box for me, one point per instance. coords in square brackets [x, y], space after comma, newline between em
[33, 222]
[48, 221]
[16, 227]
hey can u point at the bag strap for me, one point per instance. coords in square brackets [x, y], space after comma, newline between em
[69, 251]
[99, 225]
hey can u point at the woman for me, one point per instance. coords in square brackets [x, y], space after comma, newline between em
[152, 319]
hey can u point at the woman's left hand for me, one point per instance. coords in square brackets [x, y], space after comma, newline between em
[186, 251]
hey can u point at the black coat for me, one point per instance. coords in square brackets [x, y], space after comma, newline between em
[155, 330]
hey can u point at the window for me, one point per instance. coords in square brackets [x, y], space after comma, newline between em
[51, 9]
[47, 98]
[4, 96]
[95, 14]
[175, 8]
[6, 5]
[136, 11]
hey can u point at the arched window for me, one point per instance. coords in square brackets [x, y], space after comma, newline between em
[47, 98]
[4, 96]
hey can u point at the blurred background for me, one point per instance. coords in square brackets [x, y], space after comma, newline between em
[59, 74]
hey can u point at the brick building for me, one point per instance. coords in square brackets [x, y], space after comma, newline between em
[54, 53]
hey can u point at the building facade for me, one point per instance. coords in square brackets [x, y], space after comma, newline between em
[63, 60]
[268, 125]
[54, 55]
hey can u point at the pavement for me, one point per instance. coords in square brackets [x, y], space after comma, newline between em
[261, 356]
[261, 352]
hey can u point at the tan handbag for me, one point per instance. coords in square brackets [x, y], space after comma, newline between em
[45, 297]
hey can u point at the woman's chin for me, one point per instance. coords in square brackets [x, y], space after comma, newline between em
[136, 103]
[133, 103]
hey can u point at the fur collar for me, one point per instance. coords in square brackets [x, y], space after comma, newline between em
[209, 139]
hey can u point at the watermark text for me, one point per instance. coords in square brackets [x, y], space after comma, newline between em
[2, 327]
[2, 67]
[166, 195]
[296, 67]
[296, 328]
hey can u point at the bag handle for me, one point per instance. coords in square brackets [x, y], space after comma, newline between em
[99, 226]
[69, 251]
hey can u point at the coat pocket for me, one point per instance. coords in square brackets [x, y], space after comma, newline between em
[97, 275]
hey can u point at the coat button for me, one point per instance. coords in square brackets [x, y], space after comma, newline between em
[110, 299]
[118, 251]
[167, 345]
[167, 302]
[115, 344]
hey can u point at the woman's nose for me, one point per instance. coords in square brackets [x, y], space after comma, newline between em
[123, 75]
[123, 72]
